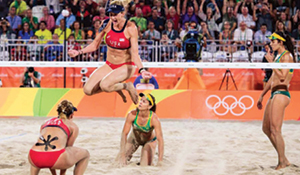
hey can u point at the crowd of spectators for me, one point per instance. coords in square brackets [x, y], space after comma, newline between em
[225, 23]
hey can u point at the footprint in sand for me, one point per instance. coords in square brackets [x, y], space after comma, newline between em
[3, 166]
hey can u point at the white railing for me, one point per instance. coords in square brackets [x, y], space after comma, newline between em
[149, 51]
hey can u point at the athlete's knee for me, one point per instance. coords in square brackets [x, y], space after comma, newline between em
[87, 90]
[275, 130]
[266, 130]
[106, 87]
[87, 153]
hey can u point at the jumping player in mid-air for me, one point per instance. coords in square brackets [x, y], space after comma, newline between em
[121, 37]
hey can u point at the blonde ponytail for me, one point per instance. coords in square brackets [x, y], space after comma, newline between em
[65, 109]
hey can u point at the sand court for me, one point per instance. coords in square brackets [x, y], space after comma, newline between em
[192, 147]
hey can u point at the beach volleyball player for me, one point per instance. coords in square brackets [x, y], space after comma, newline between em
[143, 121]
[121, 37]
[280, 96]
[54, 148]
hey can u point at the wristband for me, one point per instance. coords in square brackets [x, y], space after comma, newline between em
[141, 69]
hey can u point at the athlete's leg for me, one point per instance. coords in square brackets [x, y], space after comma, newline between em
[148, 153]
[113, 81]
[130, 148]
[92, 86]
[279, 103]
[73, 156]
[266, 126]
[53, 171]
[33, 169]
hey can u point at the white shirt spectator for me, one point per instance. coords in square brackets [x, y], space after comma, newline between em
[245, 35]
[247, 19]
[150, 34]
[259, 37]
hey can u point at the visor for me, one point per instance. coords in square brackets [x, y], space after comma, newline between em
[276, 36]
[115, 9]
[74, 108]
[148, 97]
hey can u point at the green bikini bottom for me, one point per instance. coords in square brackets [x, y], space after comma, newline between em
[286, 93]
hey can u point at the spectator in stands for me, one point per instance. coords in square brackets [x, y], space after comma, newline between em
[144, 51]
[268, 72]
[21, 7]
[6, 33]
[146, 9]
[54, 8]
[49, 19]
[209, 17]
[246, 17]
[260, 37]
[151, 33]
[92, 6]
[32, 20]
[263, 17]
[34, 51]
[101, 15]
[170, 31]
[37, 2]
[174, 16]
[53, 50]
[140, 83]
[73, 44]
[44, 35]
[160, 10]
[18, 52]
[1, 83]
[287, 23]
[158, 21]
[139, 20]
[226, 37]
[245, 3]
[77, 32]
[25, 33]
[296, 32]
[14, 20]
[296, 18]
[279, 7]
[82, 13]
[70, 19]
[30, 78]
[186, 4]
[189, 16]
[60, 31]
[228, 16]
[185, 31]
[209, 37]
[93, 32]
[280, 26]
[296, 36]
[3, 8]
[167, 49]
[242, 35]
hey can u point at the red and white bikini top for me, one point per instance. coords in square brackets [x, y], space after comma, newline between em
[116, 39]
[57, 122]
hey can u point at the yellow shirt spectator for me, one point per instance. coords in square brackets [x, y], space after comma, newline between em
[61, 34]
[20, 6]
[43, 36]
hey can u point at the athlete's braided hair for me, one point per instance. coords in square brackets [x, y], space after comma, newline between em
[65, 109]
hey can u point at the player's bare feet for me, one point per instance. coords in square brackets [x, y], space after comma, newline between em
[123, 96]
[282, 165]
[132, 92]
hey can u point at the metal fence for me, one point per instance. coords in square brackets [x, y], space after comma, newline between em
[149, 50]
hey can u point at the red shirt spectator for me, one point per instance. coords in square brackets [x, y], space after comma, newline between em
[146, 9]
[173, 15]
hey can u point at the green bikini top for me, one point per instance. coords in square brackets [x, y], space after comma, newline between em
[146, 128]
[278, 61]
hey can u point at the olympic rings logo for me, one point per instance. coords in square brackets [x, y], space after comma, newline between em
[229, 107]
